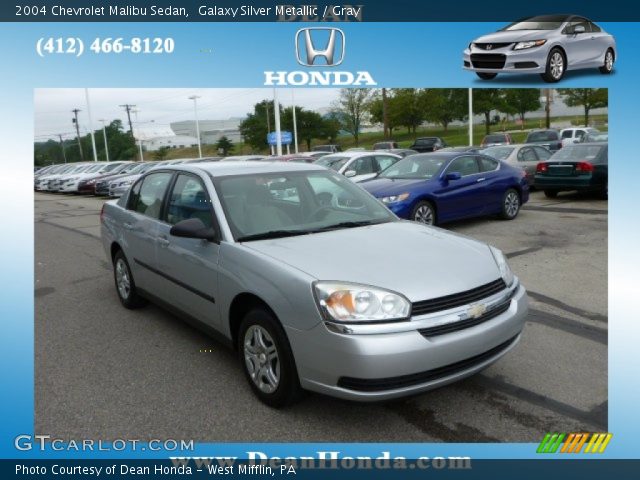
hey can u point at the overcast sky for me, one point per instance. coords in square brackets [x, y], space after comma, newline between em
[157, 107]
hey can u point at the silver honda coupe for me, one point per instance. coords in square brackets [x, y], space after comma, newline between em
[547, 44]
[314, 282]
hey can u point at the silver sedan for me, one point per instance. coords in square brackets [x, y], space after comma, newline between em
[523, 156]
[547, 44]
[315, 283]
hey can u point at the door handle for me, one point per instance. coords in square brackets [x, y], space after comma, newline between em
[127, 225]
[480, 180]
[163, 241]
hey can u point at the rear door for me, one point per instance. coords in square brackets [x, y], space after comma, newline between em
[140, 228]
[188, 267]
[527, 160]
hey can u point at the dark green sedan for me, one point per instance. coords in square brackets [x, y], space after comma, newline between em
[581, 167]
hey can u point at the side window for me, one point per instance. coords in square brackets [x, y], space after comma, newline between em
[363, 166]
[580, 134]
[527, 155]
[189, 199]
[570, 28]
[488, 164]
[152, 189]
[134, 196]
[567, 134]
[464, 165]
[542, 153]
[385, 162]
[594, 28]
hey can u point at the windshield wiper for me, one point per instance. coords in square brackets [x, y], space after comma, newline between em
[337, 226]
[273, 234]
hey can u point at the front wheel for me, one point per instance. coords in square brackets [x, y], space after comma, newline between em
[125, 285]
[556, 66]
[267, 359]
[510, 204]
[424, 212]
[607, 67]
[486, 76]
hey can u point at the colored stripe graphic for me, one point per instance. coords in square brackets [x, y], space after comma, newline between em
[573, 442]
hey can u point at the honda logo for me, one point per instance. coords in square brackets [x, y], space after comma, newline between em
[312, 44]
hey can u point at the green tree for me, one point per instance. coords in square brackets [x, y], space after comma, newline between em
[485, 100]
[255, 127]
[161, 153]
[444, 105]
[405, 108]
[351, 108]
[225, 145]
[588, 98]
[310, 125]
[520, 101]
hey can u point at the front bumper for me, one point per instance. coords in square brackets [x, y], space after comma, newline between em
[381, 366]
[505, 60]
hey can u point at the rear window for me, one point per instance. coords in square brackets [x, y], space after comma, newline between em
[544, 136]
[425, 141]
[501, 153]
[495, 138]
[578, 152]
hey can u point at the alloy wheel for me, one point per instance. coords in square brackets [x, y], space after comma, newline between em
[557, 65]
[424, 214]
[122, 279]
[511, 204]
[608, 61]
[261, 359]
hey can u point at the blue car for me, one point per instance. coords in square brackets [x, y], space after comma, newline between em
[440, 187]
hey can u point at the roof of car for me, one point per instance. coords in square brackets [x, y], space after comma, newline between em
[223, 169]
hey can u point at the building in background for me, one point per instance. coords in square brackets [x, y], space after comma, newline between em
[210, 130]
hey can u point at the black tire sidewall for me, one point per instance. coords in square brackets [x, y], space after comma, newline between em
[422, 203]
[547, 73]
[288, 390]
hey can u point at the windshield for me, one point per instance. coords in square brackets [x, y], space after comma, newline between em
[543, 136]
[501, 153]
[415, 166]
[261, 206]
[114, 167]
[95, 168]
[577, 153]
[542, 22]
[332, 162]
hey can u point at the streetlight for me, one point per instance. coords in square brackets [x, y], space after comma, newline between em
[195, 110]
[104, 132]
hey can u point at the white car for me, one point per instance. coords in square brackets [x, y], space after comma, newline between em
[358, 166]
[51, 183]
[71, 183]
[576, 135]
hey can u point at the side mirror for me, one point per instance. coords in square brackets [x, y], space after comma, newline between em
[578, 29]
[350, 173]
[193, 228]
[453, 176]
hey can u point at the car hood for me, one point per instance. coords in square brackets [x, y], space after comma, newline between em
[383, 187]
[515, 36]
[418, 261]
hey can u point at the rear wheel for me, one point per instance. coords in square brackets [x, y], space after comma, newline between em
[486, 76]
[424, 212]
[550, 193]
[125, 285]
[510, 204]
[607, 67]
[267, 359]
[556, 66]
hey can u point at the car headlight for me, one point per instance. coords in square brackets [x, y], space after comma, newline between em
[395, 198]
[470, 46]
[529, 44]
[503, 266]
[354, 303]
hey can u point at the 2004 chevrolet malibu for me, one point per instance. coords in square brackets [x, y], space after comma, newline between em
[314, 281]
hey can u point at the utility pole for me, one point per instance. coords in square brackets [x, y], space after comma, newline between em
[139, 136]
[64, 154]
[75, 121]
[195, 111]
[385, 114]
[104, 133]
[128, 108]
[547, 107]
[93, 137]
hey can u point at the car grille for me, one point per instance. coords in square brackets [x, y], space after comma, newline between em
[468, 323]
[488, 60]
[403, 381]
[491, 46]
[457, 299]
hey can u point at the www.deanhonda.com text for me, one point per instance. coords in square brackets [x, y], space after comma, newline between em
[259, 461]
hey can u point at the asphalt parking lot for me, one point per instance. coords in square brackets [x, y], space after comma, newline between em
[104, 372]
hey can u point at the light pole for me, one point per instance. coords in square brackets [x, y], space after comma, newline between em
[104, 132]
[195, 111]
[93, 138]
[470, 117]
[276, 114]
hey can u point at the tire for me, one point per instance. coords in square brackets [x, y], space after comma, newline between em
[510, 204]
[423, 212]
[267, 359]
[486, 76]
[556, 66]
[604, 193]
[125, 285]
[550, 193]
[607, 67]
